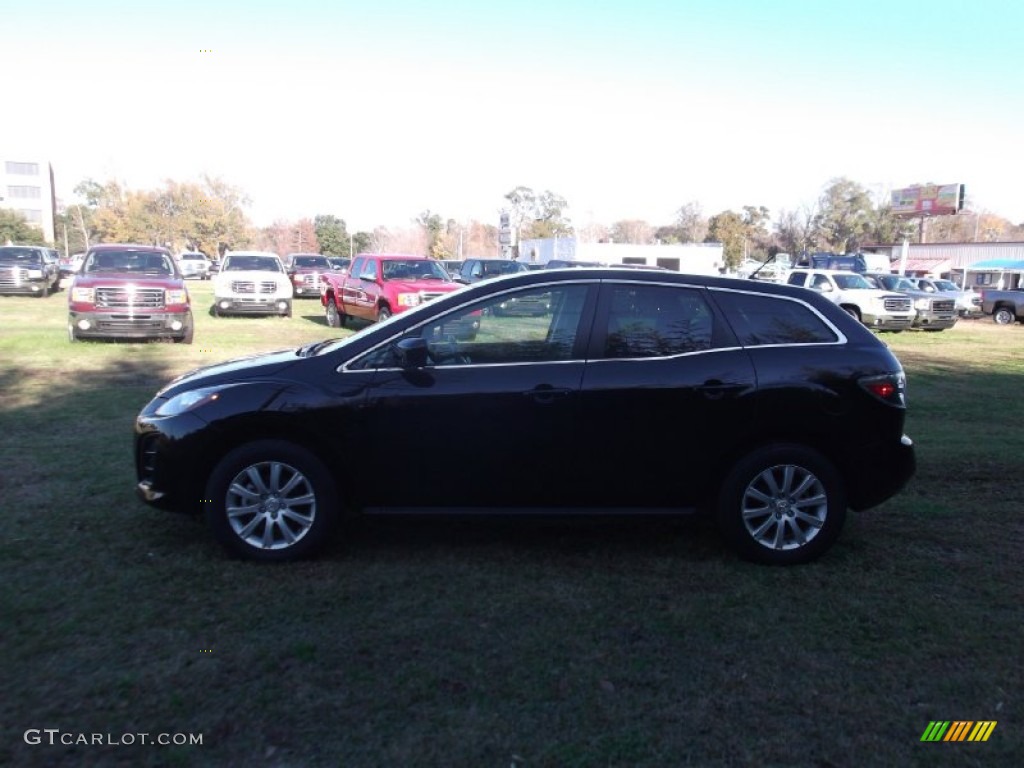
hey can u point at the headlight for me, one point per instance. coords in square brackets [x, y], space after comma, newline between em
[176, 296]
[187, 401]
[84, 295]
[922, 303]
[408, 299]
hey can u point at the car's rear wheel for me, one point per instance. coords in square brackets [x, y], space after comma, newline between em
[271, 500]
[782, 505]
[1003, 316]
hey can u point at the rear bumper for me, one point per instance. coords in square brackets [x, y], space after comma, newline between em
[881, 471]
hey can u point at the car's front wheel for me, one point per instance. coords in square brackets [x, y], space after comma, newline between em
[782, 505]
[335, 319]
[1003, 316]
[271, 500]
[383, 313]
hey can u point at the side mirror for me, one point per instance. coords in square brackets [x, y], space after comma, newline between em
[412, 352]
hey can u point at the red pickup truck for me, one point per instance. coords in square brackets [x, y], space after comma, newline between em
[377, 286]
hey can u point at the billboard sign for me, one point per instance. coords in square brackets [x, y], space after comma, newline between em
[928, 200]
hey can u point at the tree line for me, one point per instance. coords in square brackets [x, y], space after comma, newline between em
[209, 215]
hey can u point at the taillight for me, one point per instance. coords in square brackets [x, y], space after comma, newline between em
[890, 388]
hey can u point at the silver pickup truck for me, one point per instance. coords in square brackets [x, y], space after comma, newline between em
[1006, 307]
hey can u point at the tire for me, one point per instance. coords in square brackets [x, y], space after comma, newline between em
[334, 317]
[292, 501]
[383, 313]
[853, 312]
[782, 504]
[1003, 316]
[72, 334]
[186, 338]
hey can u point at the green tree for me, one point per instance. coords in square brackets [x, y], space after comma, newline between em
[534, 215]
[845, 214]
[16, 229]
[433, 226]
[332, 235]
[729, 229]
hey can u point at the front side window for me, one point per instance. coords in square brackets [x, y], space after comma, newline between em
[532, 325]
[414, 269]
[657, 321]
[761, 320]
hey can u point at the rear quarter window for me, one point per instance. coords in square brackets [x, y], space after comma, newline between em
[761, 320]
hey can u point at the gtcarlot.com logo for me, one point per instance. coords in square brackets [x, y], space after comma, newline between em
[53, 736]
[958, 730]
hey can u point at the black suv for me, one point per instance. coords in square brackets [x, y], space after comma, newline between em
[765, 404]
[29, 269]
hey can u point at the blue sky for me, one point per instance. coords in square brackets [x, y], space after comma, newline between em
[378, 110]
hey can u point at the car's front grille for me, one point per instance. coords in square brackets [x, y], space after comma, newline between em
[123, 297]
[249, 286]
[898, 304]
[310, 279]
[13, 275]
[428, 295]
[130, 324]
[943, 305]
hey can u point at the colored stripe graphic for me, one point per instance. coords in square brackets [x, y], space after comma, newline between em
[982, 730]
[959, 730]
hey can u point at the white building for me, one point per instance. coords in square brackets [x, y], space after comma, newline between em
[692, 258]
[26, 186]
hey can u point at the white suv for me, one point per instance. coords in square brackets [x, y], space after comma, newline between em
[875, 308]
[194, 264]
[252, 283]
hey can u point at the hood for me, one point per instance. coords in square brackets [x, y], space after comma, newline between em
[239, 369]
[93, 279]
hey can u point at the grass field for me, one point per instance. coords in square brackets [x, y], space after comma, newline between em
[491, 644]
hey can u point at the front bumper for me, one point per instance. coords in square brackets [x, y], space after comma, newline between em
[251, 305]
[130, 325]
[888, 322]
[934, 322]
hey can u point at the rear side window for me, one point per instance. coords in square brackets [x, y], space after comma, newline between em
[656, 321]
[761, 320]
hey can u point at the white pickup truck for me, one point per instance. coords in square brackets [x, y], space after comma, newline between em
[875, 308]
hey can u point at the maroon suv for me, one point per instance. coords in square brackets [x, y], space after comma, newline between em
[129, 291]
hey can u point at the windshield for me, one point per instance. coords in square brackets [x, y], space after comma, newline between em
[896, 283]
[946, 285]
[492, 268]
[414, 269]
[318, 262]
[251, 264]
[847, 282]
[143, 262]
[15, 255]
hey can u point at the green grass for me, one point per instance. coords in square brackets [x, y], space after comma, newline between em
[496, 644]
